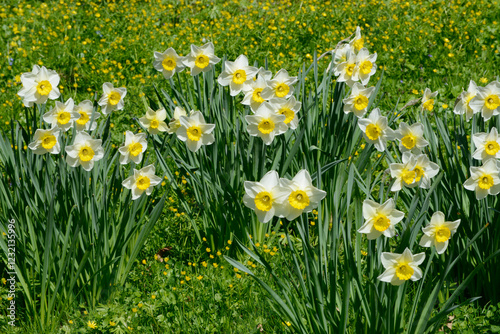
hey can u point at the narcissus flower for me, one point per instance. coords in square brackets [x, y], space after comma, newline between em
[46, 141]
[358, 41]
[195, 131]
[168, 63]
[289, 108]
[411, 138]
[84, 151]
[175, 122]
[253, 93]
[86, 111]
[404, 173]
[112, 98]
[266, 123]
[265, 196]
[438, 232]
[487, 100]
[279, 86]
[357, 102]
[424, 170]
[154, 121]
[365, 66]
[62, 115]
[428, 99]
[380, 219]
[462, 107]
[142, 181]
[345, 70]
[237, 75]
[201, 59]
[375, 130]
[133, 148]
[401, 267]
[39, 85]
[487, 145]
[484, 180]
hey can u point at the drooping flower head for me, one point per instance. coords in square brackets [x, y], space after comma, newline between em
[175, 122]
[195, 131]
[142, 181]
[237, 75]
[84, 151]
[201, 59]
[112, 98]
[400, 268]
[39, 85]
[133, 148]
[358, 41]
[154, 121]
[168, 63]
[438, 232]
[380, 219]
[463, 105]
[46, 141]
[266, 123]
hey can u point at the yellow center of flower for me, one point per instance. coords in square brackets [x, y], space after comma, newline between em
[350, 68]
[442, 233]
[239, 77]
[381, 222]
[298, 199]
[201, 61]
[84, 118]
[373, 131]
[491, 147]
[469, 97]
[404, 272]
[263, 201]
[429, 104]
[48, 141]
[485, 182]
[142, 182]
[365, 67]
[154, 124]
[358, 44]
[114, 98]
[63, 117]
[408, 176]
[194, 133]
[44, 87]
[419, 172]
[282, 90]
[266, 126]
[86, 153]
[360, 102]
[135, 149]
[256, 95]
[169, 63]
[289, 113]
[492, 101]
[409, 141]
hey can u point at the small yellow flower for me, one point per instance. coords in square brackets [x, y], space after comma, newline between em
[92, 324]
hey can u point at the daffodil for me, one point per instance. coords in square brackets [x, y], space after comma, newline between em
[424, 170]
[357, 102]
[46, 141]
[411, 138]
[265, 196]
[345, 70]
[39, 85]
[168, 63]
[428, 99]
[195, 131]
[62, 115]
[365, 66]
[375, 130]
[302, 195]
[142, 181]
[253, 94]
[404, 173]
[487, 100]
[133, 148]
[484, 180]
[487, 145]
[280, 86]
[201, 59]
[265, 74]
[463, 105]
[237, 75]
[175, 122]
[380, 219]
[341, 53]
[358, 41]
[86, 111]
[289, 108]
[154, 121]
[400, 268]
[266, 123]
[438, 232]
[84, 151]
[112, 98]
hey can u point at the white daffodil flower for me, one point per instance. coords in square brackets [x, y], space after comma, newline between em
[428, 99]
[84, 151]
[62, 115]
[46, 141]
[265, 74]
[463, 105]
[357, 102]
[289, 108]
[411, 138]
[487, 100]
[341, 54]
[175, 122]
[404, 173]
[380, 219]
[438, 232]
[358, 41]
[237, 75]
[401, 267]
[201, 59]
[266, 123]
[365, 66]
[154, 121]
[253, 94]
[375, 130]
[112, 98]
[484, 180]
[302, 195]
[195, 131]
[133, 148]
[86, 111]
[345, 70]
[142, 181]
[39, 85]
[168, 63]
[487, 145]
[265, 196]
[279, 86]
[424, 170]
